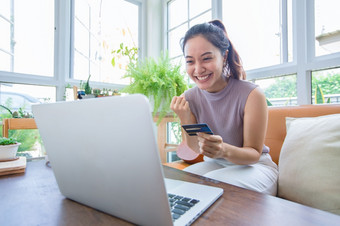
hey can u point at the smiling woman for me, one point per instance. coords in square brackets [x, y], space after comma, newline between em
[234, 109]
[205, 64]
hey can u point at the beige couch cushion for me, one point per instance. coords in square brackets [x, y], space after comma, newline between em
[309, 165]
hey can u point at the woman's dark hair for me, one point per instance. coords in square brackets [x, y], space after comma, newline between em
[216, 34]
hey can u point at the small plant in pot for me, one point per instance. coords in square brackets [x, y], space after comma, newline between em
[8, 149]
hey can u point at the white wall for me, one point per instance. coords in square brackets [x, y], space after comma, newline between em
[154, 28]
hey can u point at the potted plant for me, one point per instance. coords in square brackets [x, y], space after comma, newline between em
[159, 80]
[96, 92]
[8, 148]
[27, 136]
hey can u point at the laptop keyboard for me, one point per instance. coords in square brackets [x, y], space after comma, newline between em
[179, 205]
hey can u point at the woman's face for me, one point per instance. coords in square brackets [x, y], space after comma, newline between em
[204, 64]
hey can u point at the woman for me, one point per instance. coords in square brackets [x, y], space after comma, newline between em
[234, 109]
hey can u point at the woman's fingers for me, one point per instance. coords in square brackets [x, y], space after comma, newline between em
[209, 137]
[210, 145]
[179, 104]
[181, 107]
[176, 101]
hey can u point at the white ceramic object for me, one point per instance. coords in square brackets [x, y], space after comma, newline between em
[9, 152]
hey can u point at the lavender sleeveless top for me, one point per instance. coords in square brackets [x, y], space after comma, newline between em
[223, 111]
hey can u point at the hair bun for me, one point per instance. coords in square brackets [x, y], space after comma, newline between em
[219, 24]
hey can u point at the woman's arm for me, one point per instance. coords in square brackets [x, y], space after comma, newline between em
[255, 125]
[181, 107]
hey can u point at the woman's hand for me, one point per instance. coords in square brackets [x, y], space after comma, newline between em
[211, 145]
[181, 107]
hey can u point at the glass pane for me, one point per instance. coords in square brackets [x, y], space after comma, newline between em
[198, 6]
[177, 12]
[326, 86]
[257, 35]
[34, 37]
[327, 27]
[16, 97]
[5, 8]
[111, 23]
[95, 49]
[175, 37]
[81, 73]
[82, 12]
[81, 38]
[94, 71]
[279, 91]
[5, 37]
[206, 17]
[5, 60]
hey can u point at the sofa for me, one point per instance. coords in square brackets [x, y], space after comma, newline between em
[305, 143]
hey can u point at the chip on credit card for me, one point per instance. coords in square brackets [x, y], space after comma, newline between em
[193, 129]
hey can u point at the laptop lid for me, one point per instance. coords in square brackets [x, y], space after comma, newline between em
[104, 154]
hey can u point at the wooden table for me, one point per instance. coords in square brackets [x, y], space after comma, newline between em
[33, 198]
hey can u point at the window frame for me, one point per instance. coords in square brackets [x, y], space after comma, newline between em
[63, 53]
[185, 22]
[303, 47]
[11, 25]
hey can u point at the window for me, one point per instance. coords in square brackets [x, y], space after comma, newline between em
[279, 91]
[27, 36]
[26, 51]
[99, 28]
[183, 14]
[259, 34]
[326, 86]
[38, 45]
[20, 98]
[327, 27]
[275, 38]
[39, 50]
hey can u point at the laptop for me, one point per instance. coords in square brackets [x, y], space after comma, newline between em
[103, 152]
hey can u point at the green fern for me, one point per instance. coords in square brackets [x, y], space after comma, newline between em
[158, 79]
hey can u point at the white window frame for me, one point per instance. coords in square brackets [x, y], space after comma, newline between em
[304, 60]
[62, 53]
[187, 21]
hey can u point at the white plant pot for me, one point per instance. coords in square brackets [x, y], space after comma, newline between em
[9, 152]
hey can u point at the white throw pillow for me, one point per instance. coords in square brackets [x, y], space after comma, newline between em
[309, 165]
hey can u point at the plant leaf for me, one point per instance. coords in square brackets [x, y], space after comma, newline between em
[319, 98]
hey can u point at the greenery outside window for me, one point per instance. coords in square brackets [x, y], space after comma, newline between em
[279, 91]
[20, 98]
[326, 86]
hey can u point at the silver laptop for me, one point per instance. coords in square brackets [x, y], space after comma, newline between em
[104, 154]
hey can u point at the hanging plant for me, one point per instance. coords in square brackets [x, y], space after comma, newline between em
[159, 80]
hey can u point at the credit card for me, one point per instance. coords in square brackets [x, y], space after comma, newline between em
[193, 129]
